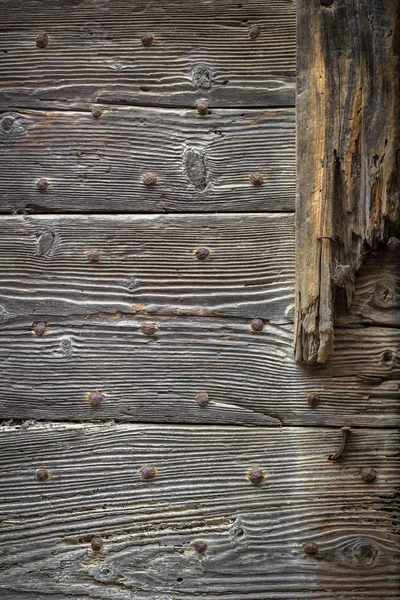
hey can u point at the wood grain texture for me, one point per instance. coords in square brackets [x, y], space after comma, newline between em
[203, 162]
[199, 49]
[148, 264]
[348, 153]
[376, 297]
[251, 378]
[254, 534]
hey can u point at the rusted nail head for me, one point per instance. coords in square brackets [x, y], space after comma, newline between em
[96, 543]
[42, 40]
[394, 244]
[42, 184]
[310, 547]
[93, 255]
[256, 475]
[39, 328]
[257, 325]
[202, 399]
[313, 399]
[97, 111]
[148, 472]
[202, 106]
[200, 546]
[254, 32]
[202, 253]
[149, 179]
[146, 38]
[368, 474]
[256, 179]
[148, 328]
[42, 474]
[95, 398]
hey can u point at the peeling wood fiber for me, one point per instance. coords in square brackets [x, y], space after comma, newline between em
[348, 154]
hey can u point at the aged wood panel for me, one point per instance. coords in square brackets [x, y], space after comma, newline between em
[250, 377]
[203, 162]
[148, 263]
[253, 533]
[95, 52]
[376, 297]
[348, 153]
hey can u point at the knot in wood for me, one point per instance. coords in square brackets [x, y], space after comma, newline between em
[7, 123]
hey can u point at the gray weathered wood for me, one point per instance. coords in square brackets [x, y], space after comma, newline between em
[203, 162]
[376, 297]
[148, 264]
[348, 153]
[254, 534]
[199, 49]
[251, 378]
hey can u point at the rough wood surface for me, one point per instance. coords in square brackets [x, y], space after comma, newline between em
[348, 153]
[203, 162]
[254, 533]
[148, 263]
[200, 48]
[250, 378]
[376, 297]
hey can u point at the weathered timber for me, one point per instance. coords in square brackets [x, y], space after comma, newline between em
[148, 264]
[202, 163]
[146, 374]
[95, 52]
[376, 297]
[348, 153]
[252, 535]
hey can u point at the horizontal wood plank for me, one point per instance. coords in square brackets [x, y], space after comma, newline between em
[94, 52]
[148, 264]
[250, 377]
[253, 534]
[203, 163]
[376, 297]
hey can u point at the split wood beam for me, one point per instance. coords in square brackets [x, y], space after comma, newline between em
[348, 154]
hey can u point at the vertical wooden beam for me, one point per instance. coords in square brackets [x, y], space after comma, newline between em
[348, 153]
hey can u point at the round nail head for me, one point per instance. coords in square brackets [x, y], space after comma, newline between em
[97, 111]
[310, 547]
[146, 38]
[200, 546]
[148, 328]
[256, 179]
[202, 106]
[42, 40]
[42, 475]
[149, 179]
[256, 475]
[257, 325]
[39, 328]
[202, 399]
[93, 255]
[148, 473]
[313, 399]
[202, 253]
[368, 474]
[254, 32]
[42, 184]
[96, 543]
[95, 398]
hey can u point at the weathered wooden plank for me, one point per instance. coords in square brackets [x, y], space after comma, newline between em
[203, 163]
[250, 377]
[94, 52]
[376, 297]
[148, 264]
[348, 153]
[253, 534]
